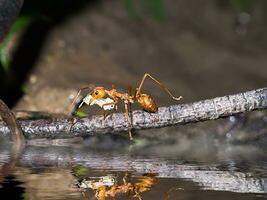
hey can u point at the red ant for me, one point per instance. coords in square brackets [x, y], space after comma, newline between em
[108, 99]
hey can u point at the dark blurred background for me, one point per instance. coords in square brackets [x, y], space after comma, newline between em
[199, 49]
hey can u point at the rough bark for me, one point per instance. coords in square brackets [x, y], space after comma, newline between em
[166, 116]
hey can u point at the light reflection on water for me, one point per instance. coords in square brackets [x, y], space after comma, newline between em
[45, 172]
[177, 166]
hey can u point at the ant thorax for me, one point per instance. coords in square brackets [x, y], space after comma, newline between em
[105, 103]
[125, 97]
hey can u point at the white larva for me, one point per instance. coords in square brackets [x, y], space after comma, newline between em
[100, 102]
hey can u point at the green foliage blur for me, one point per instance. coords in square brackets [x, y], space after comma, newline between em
[80, 114]
[19, 25]
[80, 171]
[241, 5]
[155, 8]
[134, 8]
[25, 196]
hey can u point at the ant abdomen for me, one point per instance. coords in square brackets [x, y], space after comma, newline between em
[147, 103]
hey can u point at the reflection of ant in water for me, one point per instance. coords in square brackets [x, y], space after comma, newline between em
[108, 186]
[108, 99]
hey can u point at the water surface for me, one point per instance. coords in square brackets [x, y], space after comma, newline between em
[191, 167]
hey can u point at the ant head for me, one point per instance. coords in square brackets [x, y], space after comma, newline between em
[98, 93]
[94, 97]
[99, 97]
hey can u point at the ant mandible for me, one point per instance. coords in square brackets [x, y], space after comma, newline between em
[108, 99]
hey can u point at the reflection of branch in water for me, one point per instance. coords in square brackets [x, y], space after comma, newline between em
[107, 186]
[211, 178]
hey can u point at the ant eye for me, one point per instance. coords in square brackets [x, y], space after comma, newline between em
[96, 92]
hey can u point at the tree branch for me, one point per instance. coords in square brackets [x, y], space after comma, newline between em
[166, 116]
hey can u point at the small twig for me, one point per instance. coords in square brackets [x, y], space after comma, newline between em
[12, 123]
[166, 116]
[16, 137]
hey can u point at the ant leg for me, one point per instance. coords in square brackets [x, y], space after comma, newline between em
[128, 120]
[73, 122]
[125, 178]
[105, 114]
[129, 91]
[138, 92]
[77, 95]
